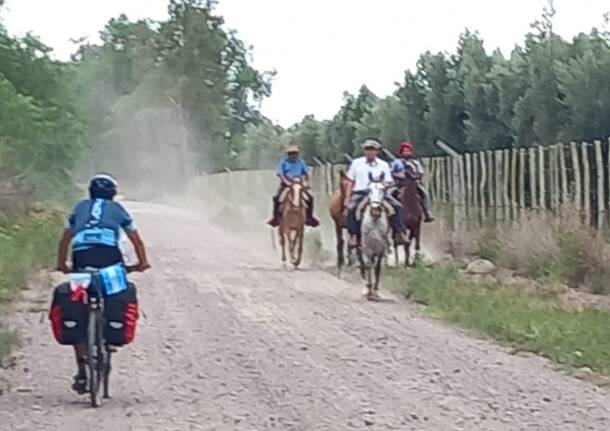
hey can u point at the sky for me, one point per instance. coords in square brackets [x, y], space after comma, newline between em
[321, 48]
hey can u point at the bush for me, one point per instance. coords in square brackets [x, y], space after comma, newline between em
[528, 319]
[26, 245]
[489, 245]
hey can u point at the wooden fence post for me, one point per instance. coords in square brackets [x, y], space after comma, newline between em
[586, 182]
[513, 182]
[505, 181]
[541, 179]
[576, 192]
[601, 194]
[490, 181]
[554, 175]
[607, 172]
[533, 184]
[469, 197]
[522, 157]
[482, 185]
[564, 175]
[499, 182]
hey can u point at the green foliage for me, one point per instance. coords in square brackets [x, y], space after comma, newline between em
[177, 96]
[489, 245]
[26, 245]
[546, 90]
[41, 133]
[528, 320]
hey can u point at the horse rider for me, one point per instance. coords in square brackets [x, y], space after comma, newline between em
[399, 167]
[357, 190]
[291, 167]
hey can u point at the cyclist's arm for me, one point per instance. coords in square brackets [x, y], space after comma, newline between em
[62, 251]
[139, 248]
[129, 227]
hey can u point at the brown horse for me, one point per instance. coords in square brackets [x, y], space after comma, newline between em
[413, 213]
[292, 223]
[337, 213]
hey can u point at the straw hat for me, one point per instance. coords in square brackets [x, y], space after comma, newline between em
[292, 149]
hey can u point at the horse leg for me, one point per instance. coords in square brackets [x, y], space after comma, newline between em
[396, 260]
[293, 245]
[361, 261]
[340, 246]
[407, 247]
[369, 282]
[350, 250]
[283, 245]
[377, 275]
[300, 235]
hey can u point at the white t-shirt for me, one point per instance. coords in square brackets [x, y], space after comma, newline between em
[359, 172]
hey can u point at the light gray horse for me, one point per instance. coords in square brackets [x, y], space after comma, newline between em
[374, 243]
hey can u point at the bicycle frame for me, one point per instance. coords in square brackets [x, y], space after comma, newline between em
[98, 352]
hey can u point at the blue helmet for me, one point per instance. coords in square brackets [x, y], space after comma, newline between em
[103, 186]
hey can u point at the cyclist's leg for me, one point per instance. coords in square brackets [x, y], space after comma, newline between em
[80, 379]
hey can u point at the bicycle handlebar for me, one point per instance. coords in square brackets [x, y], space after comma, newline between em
[128, 268]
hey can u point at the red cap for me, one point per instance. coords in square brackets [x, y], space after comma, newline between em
[406, 147]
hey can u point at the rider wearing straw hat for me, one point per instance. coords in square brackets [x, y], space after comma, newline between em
[358, 174]
[290, 167]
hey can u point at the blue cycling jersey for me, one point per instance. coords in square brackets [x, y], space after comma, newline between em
[97, 222]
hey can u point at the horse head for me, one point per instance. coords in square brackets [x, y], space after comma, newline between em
[296, 193]
[377, 193]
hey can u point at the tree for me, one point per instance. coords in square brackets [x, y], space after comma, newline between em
[413, 97]
[444, 98]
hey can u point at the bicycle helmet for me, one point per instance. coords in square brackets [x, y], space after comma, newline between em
[103, 186]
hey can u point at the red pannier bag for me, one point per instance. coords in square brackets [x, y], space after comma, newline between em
[121, 315]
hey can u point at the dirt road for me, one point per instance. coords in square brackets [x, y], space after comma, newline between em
[233, 342]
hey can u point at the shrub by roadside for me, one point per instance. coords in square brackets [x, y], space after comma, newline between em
[540, 247]
[27, 244]
[530, 320]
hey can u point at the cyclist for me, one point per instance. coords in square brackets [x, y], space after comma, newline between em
[92, 230]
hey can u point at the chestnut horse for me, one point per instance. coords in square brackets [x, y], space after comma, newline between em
[292, 224]
[338, 214]
[413, 214]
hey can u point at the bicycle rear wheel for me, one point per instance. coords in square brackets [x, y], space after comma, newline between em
[95, 356]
